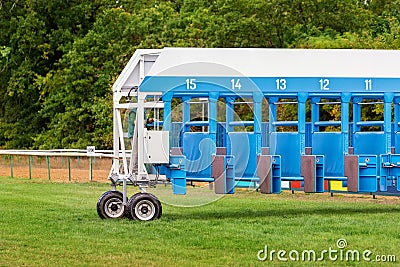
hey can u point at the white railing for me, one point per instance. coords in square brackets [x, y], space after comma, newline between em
[33, 159]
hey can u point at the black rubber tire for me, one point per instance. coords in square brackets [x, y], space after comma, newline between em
[144, 207]
[109, 205]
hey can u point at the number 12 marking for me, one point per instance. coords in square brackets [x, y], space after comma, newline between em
[324, 84]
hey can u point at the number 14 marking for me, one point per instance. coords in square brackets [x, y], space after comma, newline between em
[235, 84]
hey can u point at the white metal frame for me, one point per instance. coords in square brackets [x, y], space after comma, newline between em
[126, 87]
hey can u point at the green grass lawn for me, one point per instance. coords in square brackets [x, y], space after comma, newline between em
[56, 224]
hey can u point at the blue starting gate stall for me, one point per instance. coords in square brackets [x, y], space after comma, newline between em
[183, 123]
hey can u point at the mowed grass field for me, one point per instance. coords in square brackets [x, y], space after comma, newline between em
[55, 224]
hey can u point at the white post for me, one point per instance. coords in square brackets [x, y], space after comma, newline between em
[115, 142]
[140, 127]
[121, 141]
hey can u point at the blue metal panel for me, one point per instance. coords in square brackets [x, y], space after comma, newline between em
[276, 174]
[264, 134]
[257, 113]
[369, 143]
[330, 144]
[393, 135]
[212, 113]
[368, 172]
[186, 113]
[177, 174]
[397, 142]
[387, 116]
[301, 114]
[221, 134]
[167, 98]
[308, 134]
[351, 126]
[396, 126]
[390, 173]
[287, 145]
[243, 149]
[198, 148]
[176, 134]
[230, 175]
[344, 110]
[319, 174]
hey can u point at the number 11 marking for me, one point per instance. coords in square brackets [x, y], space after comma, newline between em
[368, 84]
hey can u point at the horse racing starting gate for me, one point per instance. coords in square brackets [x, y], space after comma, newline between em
[184, 123]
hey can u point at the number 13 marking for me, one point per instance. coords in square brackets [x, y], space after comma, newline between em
[280, 84]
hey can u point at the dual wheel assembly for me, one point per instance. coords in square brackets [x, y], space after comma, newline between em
[141, 206]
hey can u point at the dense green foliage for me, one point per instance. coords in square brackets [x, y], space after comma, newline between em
[55, 224]
[58, 59]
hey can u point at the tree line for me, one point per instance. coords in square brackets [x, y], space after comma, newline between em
[58, 59]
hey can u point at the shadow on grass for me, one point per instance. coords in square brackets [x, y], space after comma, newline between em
[248, 213]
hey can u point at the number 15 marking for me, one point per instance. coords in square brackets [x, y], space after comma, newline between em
[191, 84]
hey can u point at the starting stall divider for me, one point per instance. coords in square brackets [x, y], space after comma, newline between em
[356, 156]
